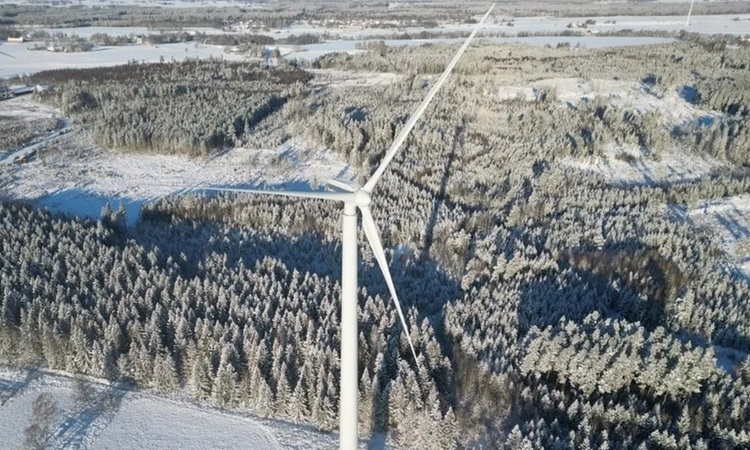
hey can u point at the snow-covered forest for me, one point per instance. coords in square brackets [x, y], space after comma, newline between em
[202, 106]
[550, 306]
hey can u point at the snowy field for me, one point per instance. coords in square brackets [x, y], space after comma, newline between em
[339, 78]
[117, 418]
[21, 60]
[72, 175]
[627, 165]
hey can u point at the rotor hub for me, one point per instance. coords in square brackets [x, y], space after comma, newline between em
[362, 198]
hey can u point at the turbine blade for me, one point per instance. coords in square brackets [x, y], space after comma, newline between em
[339, 184]
[335, 196]
[422, 107]
[371, 232]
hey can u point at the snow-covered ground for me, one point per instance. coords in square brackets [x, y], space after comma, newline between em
[625, 165]
[119, 418]
[20, 60]
[729, 218]
[20, 110]
[72, 175]
[339, 78]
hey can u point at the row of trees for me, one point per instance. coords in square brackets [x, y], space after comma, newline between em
[333, 13]
[328, 13]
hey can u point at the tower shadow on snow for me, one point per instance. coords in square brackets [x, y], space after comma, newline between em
[458, 141]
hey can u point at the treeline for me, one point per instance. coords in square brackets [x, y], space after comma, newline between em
[334, 13]
[190, 107]
[267, 16]
[169, 37]
[134, 16]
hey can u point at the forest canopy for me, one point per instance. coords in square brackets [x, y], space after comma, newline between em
[550, 306]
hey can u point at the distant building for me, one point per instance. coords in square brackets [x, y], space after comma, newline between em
[16, 40]
[21, 90]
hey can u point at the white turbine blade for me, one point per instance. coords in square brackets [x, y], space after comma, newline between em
[371, 232]
[418, 113]
[335, 196]
[339, 184]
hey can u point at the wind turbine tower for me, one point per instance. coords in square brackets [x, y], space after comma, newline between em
[690, 11]
[360, 199]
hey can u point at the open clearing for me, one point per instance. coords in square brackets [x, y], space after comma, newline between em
[118, 418]
[628, 165]
[72, 175]
[22, 60]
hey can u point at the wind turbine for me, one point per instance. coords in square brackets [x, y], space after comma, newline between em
[353, 199]
[690, 11]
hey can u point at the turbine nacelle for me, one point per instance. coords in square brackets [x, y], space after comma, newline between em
[362, 198]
